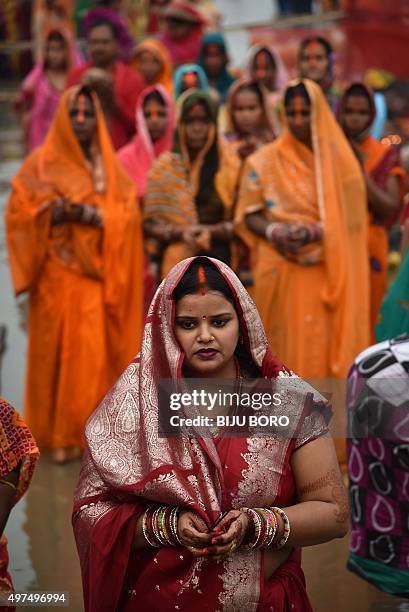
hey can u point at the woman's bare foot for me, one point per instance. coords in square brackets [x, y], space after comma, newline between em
[59, 455]
[75, 452]
[66, 454]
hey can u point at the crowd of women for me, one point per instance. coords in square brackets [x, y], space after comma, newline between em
[135, 168]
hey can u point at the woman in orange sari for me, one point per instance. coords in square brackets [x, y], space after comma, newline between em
[265, 66]
[248, 128]
[308, 244]
[151, 58]
[18, 456]
[75, 246]
[185, 208]
[385, 181]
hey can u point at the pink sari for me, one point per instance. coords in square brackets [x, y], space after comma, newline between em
[127, 466]
[43, 98]
[139, 155]
[184, 50]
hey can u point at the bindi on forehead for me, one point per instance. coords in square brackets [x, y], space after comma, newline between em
[190, 79]
[197, 108]
[203, 307]
[196, 112]
[314, 46]
[298, 104]
[314, 50]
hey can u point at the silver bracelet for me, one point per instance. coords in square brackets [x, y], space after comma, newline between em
[268, 233]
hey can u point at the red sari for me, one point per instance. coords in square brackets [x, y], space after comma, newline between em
[380, 161]
[17, 446]
[127, 466]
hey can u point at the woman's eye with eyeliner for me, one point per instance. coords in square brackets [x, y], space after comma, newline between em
[219, 322]
[186, 324]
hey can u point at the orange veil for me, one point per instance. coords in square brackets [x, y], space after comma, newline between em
[325, 186]
[159, 50]
[85, 283]
[112, 255]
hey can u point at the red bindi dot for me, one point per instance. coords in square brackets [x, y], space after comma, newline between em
[190, 79]
[314, 46]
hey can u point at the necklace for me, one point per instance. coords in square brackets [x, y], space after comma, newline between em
[237, 389]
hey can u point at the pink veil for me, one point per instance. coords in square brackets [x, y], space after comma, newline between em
[138, 155]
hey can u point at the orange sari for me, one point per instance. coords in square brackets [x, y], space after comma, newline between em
[159, 51]
[85, 296]
[232, 167]
[315, 307]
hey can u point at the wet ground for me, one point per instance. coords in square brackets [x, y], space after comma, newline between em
[41, 544]
[43, 554]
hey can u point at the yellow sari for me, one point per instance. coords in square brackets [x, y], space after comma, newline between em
[315, 307]
[174, 183]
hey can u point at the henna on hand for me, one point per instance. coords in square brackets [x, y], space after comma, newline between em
[192, 532]
[339, 496]
[227, 536]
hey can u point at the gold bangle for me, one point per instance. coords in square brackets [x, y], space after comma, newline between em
[9, 484]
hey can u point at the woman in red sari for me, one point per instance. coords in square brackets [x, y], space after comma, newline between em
[385, 181]
[203, 324]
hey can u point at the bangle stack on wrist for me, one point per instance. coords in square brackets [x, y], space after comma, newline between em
[270, 230]
[280, 514]
[90, 216]
[160, 526]
[227, 228]
[265, 521]
[314, 231]
[265, 527]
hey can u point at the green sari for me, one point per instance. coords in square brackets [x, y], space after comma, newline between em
[394, 314]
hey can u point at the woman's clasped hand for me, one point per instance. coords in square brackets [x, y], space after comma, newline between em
[64, 211]
[217, 543]
[290, 238]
